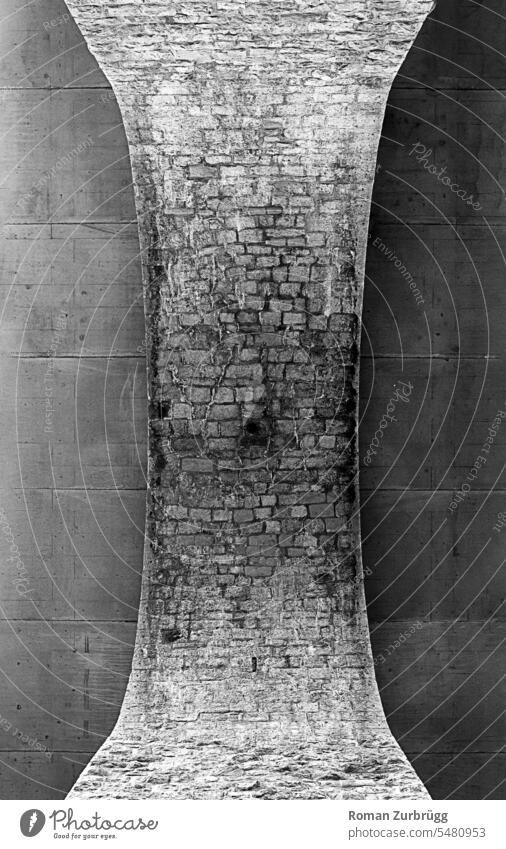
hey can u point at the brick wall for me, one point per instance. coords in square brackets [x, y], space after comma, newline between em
[253, 131]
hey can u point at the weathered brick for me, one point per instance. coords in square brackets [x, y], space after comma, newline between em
[321, 510]
[200, 464]
[222, 515]
[223, 395]
[294, 319]
[289, 289]
[181, 411]
[201, 172]
[280, 274]
[251, 236]
[199, 515]
[242, 516]
[221, 412]
[199, 394]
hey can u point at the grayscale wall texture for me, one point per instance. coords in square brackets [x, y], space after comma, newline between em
[253, 132]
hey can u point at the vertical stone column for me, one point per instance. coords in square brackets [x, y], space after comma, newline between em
[253, 129]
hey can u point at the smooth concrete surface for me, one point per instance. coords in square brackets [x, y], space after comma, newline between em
[435, 573]
[67, 216]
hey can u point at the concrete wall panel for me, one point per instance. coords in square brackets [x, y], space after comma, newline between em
[82, 252]
[434, 572]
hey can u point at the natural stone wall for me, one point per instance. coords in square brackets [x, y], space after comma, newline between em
[253, 130]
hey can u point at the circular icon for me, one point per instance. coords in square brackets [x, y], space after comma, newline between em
[32, 822]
